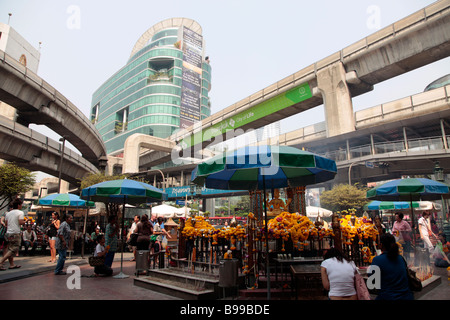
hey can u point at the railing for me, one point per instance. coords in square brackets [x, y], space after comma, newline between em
[414, 145]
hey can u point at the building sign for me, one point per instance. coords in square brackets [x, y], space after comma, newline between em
[182, 192]
[261, 110]
[192, 47]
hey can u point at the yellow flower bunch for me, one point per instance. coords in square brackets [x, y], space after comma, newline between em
[367, 255]
[29, 220]
[352, 226]
[298, 228]
[197, 227]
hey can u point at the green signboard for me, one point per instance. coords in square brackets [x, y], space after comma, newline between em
[261, 110]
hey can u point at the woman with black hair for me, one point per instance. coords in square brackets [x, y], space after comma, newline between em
[393, 275]
[338, 276]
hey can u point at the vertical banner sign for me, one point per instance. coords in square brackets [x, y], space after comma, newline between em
[191, 86]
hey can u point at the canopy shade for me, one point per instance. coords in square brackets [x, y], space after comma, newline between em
[314, 212]
[409, 189]
[134, 192]
[263, 167]
[64, 200]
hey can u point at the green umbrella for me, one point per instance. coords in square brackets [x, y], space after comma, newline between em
[389, 205]
[64, 200]
[123, 191]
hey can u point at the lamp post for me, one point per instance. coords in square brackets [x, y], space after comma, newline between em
[438, 172]
[63, 140]
[439, 176]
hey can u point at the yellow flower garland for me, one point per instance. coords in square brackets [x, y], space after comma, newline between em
[299, 228]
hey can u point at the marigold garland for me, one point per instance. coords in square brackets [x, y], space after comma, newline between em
[361, 227]
[292, 225]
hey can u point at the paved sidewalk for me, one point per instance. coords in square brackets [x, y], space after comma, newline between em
[35, 280]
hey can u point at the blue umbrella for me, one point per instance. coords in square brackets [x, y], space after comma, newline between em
[123, 191]
[389, 205]
[409, 189]
[64, 200]
[263, 167]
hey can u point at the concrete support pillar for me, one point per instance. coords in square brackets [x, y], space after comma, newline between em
[331, 82]
[133, 145]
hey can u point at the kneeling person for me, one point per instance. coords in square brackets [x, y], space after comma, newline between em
[100, 251]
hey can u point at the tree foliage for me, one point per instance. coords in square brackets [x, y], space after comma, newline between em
[14, 181]
[343, 197]
[94, 178]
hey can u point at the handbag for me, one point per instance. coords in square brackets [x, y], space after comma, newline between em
[96, 261]
[132, 241]
[361, 289]
[414, 283]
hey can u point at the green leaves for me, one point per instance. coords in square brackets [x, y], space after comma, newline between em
[14, 181]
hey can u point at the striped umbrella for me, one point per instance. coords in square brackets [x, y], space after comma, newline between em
[263, 167]
[389, 205]
[123, 191]
[409, 189]
[64, 200]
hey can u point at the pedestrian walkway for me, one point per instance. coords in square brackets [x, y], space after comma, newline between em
[35, 280]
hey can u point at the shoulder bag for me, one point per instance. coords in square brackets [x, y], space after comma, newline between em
[96, 261]
[361, 289]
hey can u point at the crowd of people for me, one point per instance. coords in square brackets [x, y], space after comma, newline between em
[17, 232]
[338, 272]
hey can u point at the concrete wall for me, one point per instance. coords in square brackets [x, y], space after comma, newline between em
[16, 46]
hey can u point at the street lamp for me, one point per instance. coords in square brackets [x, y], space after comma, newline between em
[438, 172]
[439, 176]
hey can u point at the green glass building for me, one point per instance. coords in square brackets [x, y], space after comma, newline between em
[163, 87]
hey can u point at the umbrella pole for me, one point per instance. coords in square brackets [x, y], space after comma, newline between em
[84, 233]
[412, 222]
[121, 275]
[267, 240]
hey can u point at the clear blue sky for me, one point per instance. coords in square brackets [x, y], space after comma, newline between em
[251, 43]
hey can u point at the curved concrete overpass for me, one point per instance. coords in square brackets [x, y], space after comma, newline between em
[36, 152]
[38, 102]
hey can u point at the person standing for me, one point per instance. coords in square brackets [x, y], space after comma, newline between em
[111, 239]
[52, 235]
[62, 244]
[133, 230]
[144, 230]
[393, 275]
[404, 232]
[13, 220]
[425, 231]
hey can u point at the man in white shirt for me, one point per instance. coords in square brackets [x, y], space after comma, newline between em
[13, 220]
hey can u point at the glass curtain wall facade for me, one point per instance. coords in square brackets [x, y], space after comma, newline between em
[146, 95]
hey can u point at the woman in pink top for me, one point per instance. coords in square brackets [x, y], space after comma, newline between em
[404, 232]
